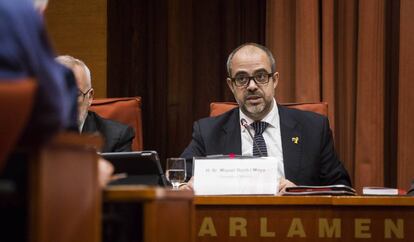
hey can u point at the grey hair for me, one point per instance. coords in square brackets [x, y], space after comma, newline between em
[70, 62]
[266, 50]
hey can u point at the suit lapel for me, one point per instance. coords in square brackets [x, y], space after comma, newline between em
[231, 134]
[90, 125]
[291, 134]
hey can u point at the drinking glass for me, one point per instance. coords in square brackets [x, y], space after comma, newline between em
[176, 171]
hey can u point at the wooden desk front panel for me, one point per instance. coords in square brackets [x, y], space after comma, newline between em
[323, 222]
[65, 199]
[166, 215]
[168, 220]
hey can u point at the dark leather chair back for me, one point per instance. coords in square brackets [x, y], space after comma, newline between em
[16, 101]
[126, 110]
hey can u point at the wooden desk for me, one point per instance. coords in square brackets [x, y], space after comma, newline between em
[163, 214]
[65, 199]
[324, 218]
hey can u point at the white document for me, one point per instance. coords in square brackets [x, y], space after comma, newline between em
[237, 176]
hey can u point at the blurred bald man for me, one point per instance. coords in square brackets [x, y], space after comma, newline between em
[118, 137]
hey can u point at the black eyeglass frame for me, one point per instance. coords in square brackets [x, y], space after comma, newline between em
[268, 75]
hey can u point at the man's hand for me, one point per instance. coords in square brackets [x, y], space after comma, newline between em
[283, 184]
[188, 185]
[105, 170]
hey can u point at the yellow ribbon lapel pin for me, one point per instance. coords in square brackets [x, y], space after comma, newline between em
[295, 140]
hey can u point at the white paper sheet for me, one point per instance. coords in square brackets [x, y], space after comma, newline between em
[237, 176]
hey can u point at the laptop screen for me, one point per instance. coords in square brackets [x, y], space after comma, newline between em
[140, 167]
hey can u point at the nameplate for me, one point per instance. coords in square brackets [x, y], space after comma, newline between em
[237, 176]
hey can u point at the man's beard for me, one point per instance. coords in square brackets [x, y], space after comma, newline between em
[254, 109]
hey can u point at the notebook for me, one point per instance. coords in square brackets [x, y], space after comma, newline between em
[335, 190]
[140, 167]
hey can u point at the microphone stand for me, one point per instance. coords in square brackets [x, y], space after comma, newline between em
[243, 122]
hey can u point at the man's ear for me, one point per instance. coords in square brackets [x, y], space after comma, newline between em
[230, 84]
[275, 78]
[90, 97]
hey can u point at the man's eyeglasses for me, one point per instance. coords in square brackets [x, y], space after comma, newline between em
[259, 79]
[83, 94]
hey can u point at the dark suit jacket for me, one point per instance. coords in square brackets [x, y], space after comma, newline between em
[118, 137]
[25, 52]
[310, 162]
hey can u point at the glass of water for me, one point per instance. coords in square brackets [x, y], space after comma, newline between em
[176, 171]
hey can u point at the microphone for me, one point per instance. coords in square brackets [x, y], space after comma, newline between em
[411, 191]
[243, 122]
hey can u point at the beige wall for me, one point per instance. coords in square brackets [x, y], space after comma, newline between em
[79, 28]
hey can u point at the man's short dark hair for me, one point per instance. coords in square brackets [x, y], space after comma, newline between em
[266, 50]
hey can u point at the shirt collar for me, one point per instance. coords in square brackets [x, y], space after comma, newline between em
[81, 126]
[272, 118]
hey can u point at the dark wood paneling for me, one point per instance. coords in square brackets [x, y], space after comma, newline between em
[137, 62]
[405, 96]
[173, 54]
[392, 42]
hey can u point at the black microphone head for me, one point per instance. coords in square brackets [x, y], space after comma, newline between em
[411, 190]
[243, 122]
[246, 126]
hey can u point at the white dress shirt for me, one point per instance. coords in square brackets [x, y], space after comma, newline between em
[271, 134]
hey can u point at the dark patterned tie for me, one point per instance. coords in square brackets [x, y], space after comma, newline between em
[259, 128]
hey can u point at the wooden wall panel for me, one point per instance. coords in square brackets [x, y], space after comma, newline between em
[292, 34]
[138, 62]
[345, 81]
[328, 61]
[406, 97]
[173, 54]
[350, 59]
[307, 53]
[78, 28]
[369, 156]
[279, 20]
[181, 62]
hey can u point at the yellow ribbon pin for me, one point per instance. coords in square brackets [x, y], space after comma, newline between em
[295, 140]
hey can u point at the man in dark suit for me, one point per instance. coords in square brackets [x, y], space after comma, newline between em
[302, 139]
[118, 137]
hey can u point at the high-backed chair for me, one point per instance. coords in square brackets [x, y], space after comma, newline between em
[126, 110]
[16, 101]
[217, 108]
